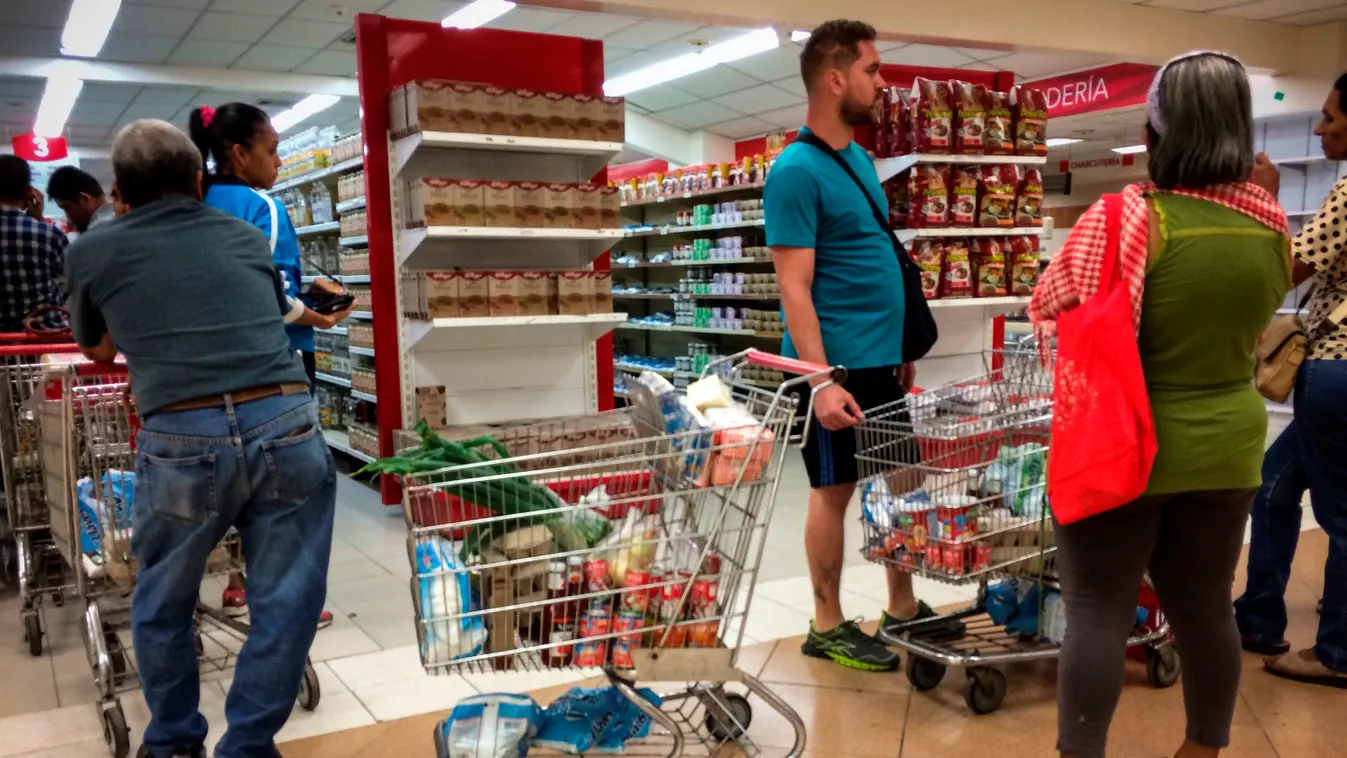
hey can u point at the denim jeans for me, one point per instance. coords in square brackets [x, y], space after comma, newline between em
[1311, 453]
[263, 468]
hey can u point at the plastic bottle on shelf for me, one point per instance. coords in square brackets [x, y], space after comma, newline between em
[303, 215]
[320, 204]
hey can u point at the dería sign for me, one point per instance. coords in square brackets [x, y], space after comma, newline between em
[1097, 89]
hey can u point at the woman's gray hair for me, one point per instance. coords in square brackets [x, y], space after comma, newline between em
[154, 159]
[1201, 127]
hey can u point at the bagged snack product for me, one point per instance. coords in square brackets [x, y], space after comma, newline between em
[928, 194]
[957, 278]
[929, 255]
[963, 196]
[989, 267]
[1030, 108]
[899, 207]
[932, 117]
[893, 131]
[1029, 202]
[1023, 261]
[970, 117]
[1000, 134]
[996, 208]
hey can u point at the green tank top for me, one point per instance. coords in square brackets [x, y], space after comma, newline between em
[1213, 285]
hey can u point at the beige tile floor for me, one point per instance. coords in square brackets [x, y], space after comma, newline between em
[371, 675]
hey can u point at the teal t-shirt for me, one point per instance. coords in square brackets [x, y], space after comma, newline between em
[810, 202]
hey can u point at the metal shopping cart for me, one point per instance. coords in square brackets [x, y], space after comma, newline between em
[24, 357]
[606, 543]
[953, 488]
[87, 420]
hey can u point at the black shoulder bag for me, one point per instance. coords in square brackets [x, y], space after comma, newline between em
[919, 329]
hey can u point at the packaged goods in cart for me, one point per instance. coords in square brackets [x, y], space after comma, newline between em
[490, 726]
[932, 117]
[445, 591]
[1029, 202]
[970, 117]
[1000, 133]
[1030, 108]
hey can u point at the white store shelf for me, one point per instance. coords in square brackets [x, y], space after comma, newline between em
[358, 395]
[346, 206]
[341, 442]
[673, 230]
[304, 231]
[1011, 303]
[546, 159]
[368, 352]
[505, 330]
[907, 235]
[314, 176]
[697, 330]
[695, 197]
[359, 241]
[354, 278]
[456, 246]
[362, 315]
[887, 168]
[1302, 159]
[708, 262]
[337, 330]
[330, 379]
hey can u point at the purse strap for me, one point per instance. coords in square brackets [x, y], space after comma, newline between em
[813, 140]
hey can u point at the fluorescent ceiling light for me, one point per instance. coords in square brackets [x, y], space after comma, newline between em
[1130, 149]
[87, 26]
[479, 13]
[57, 100]
[1059, 141]
[734, 49]
[799, 35]
[302, 110]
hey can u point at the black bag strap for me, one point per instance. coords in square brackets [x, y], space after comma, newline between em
[811, 139]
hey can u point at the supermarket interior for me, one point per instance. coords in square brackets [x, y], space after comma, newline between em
[549, 215]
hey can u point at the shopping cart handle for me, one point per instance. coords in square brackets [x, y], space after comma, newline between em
[794, 365]
[8, 351]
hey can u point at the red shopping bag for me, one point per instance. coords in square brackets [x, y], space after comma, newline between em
[1103, 435]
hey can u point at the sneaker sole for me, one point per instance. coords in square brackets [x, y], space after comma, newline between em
[850, 663]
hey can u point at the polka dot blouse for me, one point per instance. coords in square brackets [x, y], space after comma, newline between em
[1320, 244]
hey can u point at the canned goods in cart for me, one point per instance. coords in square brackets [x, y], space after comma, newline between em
[627, 626]
[636, 598]
[591, 653]
[703, 634]
[704, 597]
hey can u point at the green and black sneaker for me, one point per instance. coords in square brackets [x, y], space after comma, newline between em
[851, 647]
[921, 625]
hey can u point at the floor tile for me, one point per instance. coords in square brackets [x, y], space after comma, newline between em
[769, 621]
[355, 570]
[396, 700]
[529, 681]
[752, 658]
[389, 630]
[341, 642]
[28, 685]
[336, 712]
[789, 666]
[868, 723]
[382, 667]
[49, 730]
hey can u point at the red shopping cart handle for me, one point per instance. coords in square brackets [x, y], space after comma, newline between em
[794, 365]
[28, 348]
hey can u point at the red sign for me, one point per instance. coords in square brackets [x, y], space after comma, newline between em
[1113, 161]
[31, 147]
[1097, 89]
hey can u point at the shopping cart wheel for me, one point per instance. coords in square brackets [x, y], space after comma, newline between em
[728, 716]
[1162, 666]
[32, 633]
[984, 690]
[924, 673]
[115, 732]
[309, 691]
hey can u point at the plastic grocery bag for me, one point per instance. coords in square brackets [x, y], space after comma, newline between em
[599, 720]
[490, 726]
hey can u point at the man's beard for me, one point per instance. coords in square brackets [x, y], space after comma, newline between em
[854, 114]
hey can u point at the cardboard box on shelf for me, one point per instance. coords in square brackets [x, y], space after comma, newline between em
[559, 206]
[432, 406]
[610, 208]
[552, 306]
[498, 105]
[503, 288]
[574, 292]
[613, 125]
[441, 293]
[557, 115]
[397, 111]
[526, 114]
[498, 205]
[429, 105]
[602, 287]
[474, 294]
[586, 112]
[429, 202]
[530, 202]
[534, 294]
[587, 206]
[468, 199]
[467, 105]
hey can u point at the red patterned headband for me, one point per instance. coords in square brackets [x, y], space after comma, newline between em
[207, 115]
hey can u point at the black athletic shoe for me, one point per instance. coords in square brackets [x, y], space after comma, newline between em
[851, 647]
[199, 752]
[920, 626]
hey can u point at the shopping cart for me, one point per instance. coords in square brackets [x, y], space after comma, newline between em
[39, 568]
[88, 421]
[953, 488]
[604, 543]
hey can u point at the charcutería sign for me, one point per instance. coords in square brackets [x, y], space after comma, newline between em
[1097, 89]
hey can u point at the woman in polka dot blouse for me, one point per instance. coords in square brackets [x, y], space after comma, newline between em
[1312, 451]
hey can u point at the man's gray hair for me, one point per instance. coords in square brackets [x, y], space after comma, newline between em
[153, 159]
[1207, 123]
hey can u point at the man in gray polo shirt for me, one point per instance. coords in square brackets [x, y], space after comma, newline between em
[229, 438]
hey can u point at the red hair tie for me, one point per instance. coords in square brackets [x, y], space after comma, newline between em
[207, 115]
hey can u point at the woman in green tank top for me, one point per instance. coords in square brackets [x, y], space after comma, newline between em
[1204, 255]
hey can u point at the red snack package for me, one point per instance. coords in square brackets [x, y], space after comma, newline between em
[899, 206]
[1030, 108]
[928, 195]
[1000, 133]
[997, 206]
[900, 122]
[957, 278]
[1029, 202]
[989, 267]
[929, 255]
[1023, 262]
[932, 117]
[970, 117]
[963, 196]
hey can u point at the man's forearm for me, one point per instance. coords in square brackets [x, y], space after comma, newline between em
[805, 334]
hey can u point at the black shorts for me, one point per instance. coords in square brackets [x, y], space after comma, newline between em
[830, 457]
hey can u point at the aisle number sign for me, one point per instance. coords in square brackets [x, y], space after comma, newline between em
[31, 147]
[1098, 89]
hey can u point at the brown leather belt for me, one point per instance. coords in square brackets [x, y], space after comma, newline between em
[240, 397]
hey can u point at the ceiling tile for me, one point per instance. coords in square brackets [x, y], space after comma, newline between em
[86, 118]
[595, 26]
[135, 112]
[1266, 9]
[698, 114]
[786, 118]
[717, 80]
[87, 134]
[763, 97]
[699, 38]
[137, 48]
[633, 62]
[21, 88]
[258, 7]
[109, 92]
[207, 52]
[646, 34]
[980, 54]
[980, 66]
[1327, 15]
[926, 55]
[231, 27]
[30, 40]
[189, 4]
[740, 128]
[773, 64]
[420, 10]
[792, 84]
[329, 62]
[1192, 5]
[316, 34]
[1036, 65]
[323, 10]
[154, 94]
[98, 108]
[143, 19]
[611, 54]
[49, 14]
[524, 19]
[661, 97]
[273, 58]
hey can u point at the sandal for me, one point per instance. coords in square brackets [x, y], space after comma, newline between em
[1304, 666]
[1261, 646]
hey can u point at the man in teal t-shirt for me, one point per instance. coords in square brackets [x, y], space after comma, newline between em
[842, 297]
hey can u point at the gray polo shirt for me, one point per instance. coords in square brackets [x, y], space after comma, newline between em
[191, 298]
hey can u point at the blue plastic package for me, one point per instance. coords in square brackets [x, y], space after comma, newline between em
[599, 720]
[446, 593]
[489, 726]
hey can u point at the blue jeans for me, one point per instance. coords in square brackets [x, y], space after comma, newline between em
[262, 467]
[1310, 454]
